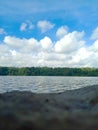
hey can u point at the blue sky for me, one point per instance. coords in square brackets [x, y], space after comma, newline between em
[57, 31]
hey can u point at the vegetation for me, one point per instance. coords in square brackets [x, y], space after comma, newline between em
[45, 71]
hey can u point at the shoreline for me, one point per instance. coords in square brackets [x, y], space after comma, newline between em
[70, 110]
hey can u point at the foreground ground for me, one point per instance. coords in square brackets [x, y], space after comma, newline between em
[70, 110]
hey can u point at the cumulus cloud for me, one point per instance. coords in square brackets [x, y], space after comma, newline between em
[14, 42]
[68, 51]
[22, 45]
[26, 26]
[45, 25]
[62, 31]
[46, 44]
[23, 27]
[94, 47]
[70, 42]
[95, 34]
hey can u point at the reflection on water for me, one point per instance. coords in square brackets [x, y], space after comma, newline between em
[43, 84]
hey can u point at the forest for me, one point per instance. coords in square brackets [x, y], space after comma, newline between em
[46, 71]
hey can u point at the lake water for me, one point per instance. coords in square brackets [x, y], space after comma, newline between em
[44, 84]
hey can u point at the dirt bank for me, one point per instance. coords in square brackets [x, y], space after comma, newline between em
[70, 110]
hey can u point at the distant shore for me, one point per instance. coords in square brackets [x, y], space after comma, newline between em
[48, 71]
[70, 110]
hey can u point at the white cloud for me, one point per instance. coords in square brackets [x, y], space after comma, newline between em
[2, 31]
[45, 25]
[69, 51]
[46, 43]
[95, 34]
[94, 47]
[70, 42]
[81, 57]
[23, 26]
[14, 42]
[22, 45]
[62, 31]
[26, 26]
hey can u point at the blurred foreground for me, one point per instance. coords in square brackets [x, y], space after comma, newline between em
[70, 110]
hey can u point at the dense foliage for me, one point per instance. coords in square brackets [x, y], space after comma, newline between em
[45, 71]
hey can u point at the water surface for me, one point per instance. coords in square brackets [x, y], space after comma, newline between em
[44, 84]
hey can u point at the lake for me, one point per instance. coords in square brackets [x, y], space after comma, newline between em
[44, 84]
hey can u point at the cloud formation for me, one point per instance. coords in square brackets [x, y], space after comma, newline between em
[95, 34]
[70, 42]
[23, 27]
[45, 25]
[26, 26]
[63, 30]
[68, 51]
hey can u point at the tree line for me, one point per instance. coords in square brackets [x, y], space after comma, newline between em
[46, 71]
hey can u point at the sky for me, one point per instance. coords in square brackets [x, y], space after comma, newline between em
[50, 33]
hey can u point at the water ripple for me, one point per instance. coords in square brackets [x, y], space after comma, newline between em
[44, 84]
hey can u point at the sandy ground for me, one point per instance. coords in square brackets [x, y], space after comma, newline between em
[70, 110]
